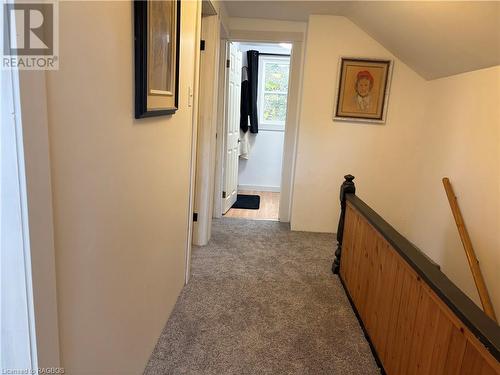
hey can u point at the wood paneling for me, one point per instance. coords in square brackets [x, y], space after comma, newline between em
[411, 328]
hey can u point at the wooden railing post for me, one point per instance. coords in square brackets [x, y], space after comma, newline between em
[347, 187]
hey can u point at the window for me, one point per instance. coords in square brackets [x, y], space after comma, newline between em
[273, 91]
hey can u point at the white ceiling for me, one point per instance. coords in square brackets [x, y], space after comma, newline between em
[435, 38]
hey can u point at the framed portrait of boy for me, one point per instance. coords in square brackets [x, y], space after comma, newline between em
[363, 90]
[157, 49]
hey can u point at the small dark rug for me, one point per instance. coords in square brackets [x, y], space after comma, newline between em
[247, 202]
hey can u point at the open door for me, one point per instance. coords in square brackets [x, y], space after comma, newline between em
[233, 91]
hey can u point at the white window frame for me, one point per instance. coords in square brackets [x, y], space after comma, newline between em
[263, 124]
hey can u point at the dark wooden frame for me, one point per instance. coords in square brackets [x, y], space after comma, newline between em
[141, 61]
[481, 326]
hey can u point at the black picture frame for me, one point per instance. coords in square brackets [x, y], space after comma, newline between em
[141, 61]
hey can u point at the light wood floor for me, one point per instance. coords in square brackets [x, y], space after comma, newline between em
[268, 210]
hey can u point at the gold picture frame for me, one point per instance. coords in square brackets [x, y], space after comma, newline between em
[363, 87]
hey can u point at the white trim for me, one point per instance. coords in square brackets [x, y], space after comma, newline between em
[274, 189]
[194, 129]
[25, 219]
[207, 127]
[21, 326]
[221, 131]
[11, 103]
[297, 61]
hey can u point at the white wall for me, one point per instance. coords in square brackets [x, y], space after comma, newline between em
[262, 170]
[120, 191]
[448, 127]
[462, 142]
[328, 150]
[265, 26]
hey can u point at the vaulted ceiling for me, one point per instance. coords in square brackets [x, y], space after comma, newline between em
[434, 38]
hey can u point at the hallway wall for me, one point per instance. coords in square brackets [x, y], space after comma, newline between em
[327, 150]
[462, 142]
[262, 170]
[447, 127]
[120, 191]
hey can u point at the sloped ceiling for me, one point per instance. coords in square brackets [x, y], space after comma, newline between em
[435, 38]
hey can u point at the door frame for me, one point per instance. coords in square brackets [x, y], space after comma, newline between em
[206, 129]
[292, 122]
[218, 205]
[235, 67]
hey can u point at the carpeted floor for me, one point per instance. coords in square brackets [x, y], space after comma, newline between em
[262, 300]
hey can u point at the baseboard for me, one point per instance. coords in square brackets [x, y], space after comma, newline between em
[275, 189]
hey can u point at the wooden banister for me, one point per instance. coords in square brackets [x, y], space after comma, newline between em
[416, 319]
[347, 187]
[469, 251]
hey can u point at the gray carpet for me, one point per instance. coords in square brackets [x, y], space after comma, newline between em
[262, 300]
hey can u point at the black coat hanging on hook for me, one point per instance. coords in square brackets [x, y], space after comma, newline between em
[250, 77]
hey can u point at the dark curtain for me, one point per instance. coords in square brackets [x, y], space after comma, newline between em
[244, 101]
[253, 78]
[249, 114]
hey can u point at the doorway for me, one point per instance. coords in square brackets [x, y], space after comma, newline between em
[256, 94]
[212, 149]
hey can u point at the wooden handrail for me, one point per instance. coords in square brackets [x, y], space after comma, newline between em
[477, 323]
[469, 251]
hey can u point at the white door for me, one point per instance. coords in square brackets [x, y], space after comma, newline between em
[233, 91]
